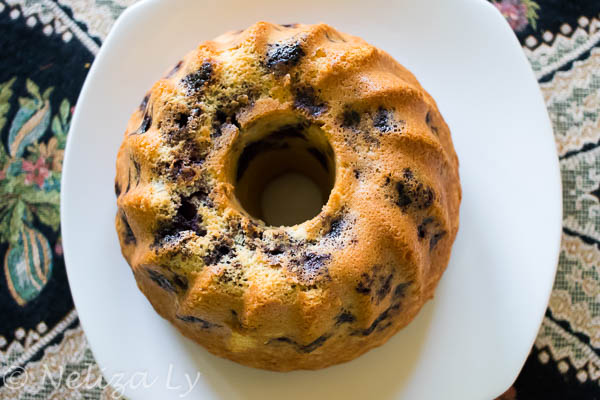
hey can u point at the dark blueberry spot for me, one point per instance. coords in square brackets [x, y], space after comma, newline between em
[117, 189]
[364, 286]
[378, 283]
[400, 290]
[226, 277]
[145, 125]
[422, 229]
[336, 227]
[282, 56]
[187, 211]
[356, 173]
[223, 250]
[284, 340]
[160, 280]
[221, 118]
[315, 344]
[195, 320]
[310, 267]
[334, 37]
[412, 193]
[314, 262]
[329, 37]
[309, 348]
[196, 81]
[129, 237]
[174, 70]
[195, 154]
[186, 219]
[429, 122]
[384, 326]
[186, 159]
[216, 254]
[319, 156]
[181, 168]
[144, 102]
[233, 275]
[426, 196]
[389, 312]
[235, 320]
[290, 25]
[307, 100]
[276, 250]
[202, 195]
[385, 122]
[181, 120]
[404, 198]
[217, 130]
[350, 118]
[138, 169]
[253, 230]
[435, 239]
[381, 120]
[384, 288]
[180, 281]
[383, 316]
[345, 317]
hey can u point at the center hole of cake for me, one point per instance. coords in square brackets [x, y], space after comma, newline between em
[285, 177]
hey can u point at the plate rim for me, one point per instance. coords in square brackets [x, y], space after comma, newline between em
[137, 8]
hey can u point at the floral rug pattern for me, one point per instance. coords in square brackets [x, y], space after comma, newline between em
[47, 47]
[30, 187]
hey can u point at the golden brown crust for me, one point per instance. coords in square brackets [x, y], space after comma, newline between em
[311, 295]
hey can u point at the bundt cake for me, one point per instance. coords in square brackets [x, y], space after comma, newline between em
[236, 113]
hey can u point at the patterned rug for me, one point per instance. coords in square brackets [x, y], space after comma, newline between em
[47, 47]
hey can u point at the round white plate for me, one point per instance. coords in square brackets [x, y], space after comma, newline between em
[471, 340]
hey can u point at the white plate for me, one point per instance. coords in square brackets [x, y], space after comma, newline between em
[468, 343]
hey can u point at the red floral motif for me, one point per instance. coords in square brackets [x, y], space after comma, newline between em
[58, 249]
[36, 173]
[515, 13]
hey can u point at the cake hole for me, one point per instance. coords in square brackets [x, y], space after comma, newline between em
[284, 173]
[290, 199]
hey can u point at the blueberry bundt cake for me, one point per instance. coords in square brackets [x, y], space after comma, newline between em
[233, 115]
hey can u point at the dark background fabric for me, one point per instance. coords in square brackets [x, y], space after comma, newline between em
[28, 53]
